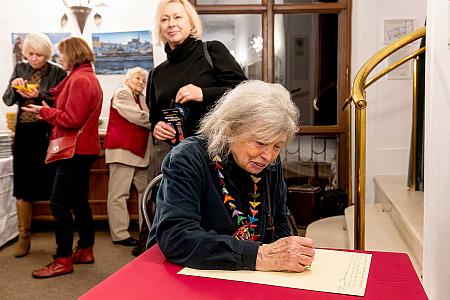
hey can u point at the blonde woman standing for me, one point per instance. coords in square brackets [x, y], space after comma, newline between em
[195, 82]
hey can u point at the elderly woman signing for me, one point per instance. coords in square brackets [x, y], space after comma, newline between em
[221, 203]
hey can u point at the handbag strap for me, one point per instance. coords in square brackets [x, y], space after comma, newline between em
[90, 117]
[148, 94]
[270, 226]
[290, 217]
[207, 56]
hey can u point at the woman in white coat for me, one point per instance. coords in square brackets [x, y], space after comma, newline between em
[127, 152]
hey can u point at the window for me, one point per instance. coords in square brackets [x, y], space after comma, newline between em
[240, 35]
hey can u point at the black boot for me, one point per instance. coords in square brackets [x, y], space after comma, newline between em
[142, 241]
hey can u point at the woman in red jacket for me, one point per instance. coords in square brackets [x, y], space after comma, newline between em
[78, 100]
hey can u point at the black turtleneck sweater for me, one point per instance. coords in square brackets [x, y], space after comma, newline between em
[187, 64]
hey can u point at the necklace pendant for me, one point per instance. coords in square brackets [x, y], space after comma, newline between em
[255, 179]
[227, 198]
[235, 213]
[254, 204]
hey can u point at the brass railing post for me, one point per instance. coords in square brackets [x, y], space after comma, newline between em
[414, 126]
[360, 180]
[358, 97]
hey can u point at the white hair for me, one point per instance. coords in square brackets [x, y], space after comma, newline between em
[131, 72]
[253, 110]
[40, 43]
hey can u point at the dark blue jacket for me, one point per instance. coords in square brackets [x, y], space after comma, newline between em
[192, 225]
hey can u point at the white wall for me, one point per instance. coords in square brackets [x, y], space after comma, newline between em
[389, 101]
[436, 272]
[388, 122]
[45, 15]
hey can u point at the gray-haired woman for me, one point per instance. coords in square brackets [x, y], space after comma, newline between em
[127, 152]
[223, 193]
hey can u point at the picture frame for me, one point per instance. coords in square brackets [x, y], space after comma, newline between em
[393, 29]
[448, 27]
[116, 52]
[18, 37]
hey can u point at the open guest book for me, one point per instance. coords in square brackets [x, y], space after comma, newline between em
[331, 271]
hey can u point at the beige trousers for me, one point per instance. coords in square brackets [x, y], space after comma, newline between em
[121, 177]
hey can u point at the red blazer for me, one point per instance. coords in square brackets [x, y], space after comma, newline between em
[76, 98]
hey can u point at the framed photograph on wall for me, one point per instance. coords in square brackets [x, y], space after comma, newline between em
[448, 27]
[116, 52]
[18, 37]
[397, 28]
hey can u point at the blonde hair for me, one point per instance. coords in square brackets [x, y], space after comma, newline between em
[133, 71]
[196, 24]
[253, 110]
[77, 51]
[39, 42]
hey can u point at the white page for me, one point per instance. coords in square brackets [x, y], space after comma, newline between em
[331, 271]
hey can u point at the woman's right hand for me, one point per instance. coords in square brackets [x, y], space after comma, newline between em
[163, 131]
[289, 254]
[34, 93]
[18, 81]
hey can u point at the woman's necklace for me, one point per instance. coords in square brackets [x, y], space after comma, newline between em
[247, 225]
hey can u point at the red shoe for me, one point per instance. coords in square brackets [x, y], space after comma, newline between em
[60, 266]
[83, 256]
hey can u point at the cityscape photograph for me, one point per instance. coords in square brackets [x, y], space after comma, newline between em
[116, 52]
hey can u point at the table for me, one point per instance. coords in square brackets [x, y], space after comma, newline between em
[151, 276]
[8, 211]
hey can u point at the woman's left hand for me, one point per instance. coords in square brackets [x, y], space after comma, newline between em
[35, 108]
[189, 92]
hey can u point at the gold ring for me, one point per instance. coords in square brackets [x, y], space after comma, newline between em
[307, 266]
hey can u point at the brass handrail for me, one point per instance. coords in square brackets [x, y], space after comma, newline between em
[358, 97]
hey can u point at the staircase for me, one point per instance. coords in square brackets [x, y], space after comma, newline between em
[393, 223]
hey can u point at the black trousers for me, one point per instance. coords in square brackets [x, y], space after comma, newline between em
[70, 195]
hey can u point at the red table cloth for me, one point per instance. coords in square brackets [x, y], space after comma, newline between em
[151, 276]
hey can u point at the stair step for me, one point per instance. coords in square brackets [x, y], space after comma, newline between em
[405, 209]
[381, 232]
[393, 223]
[329, 233]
